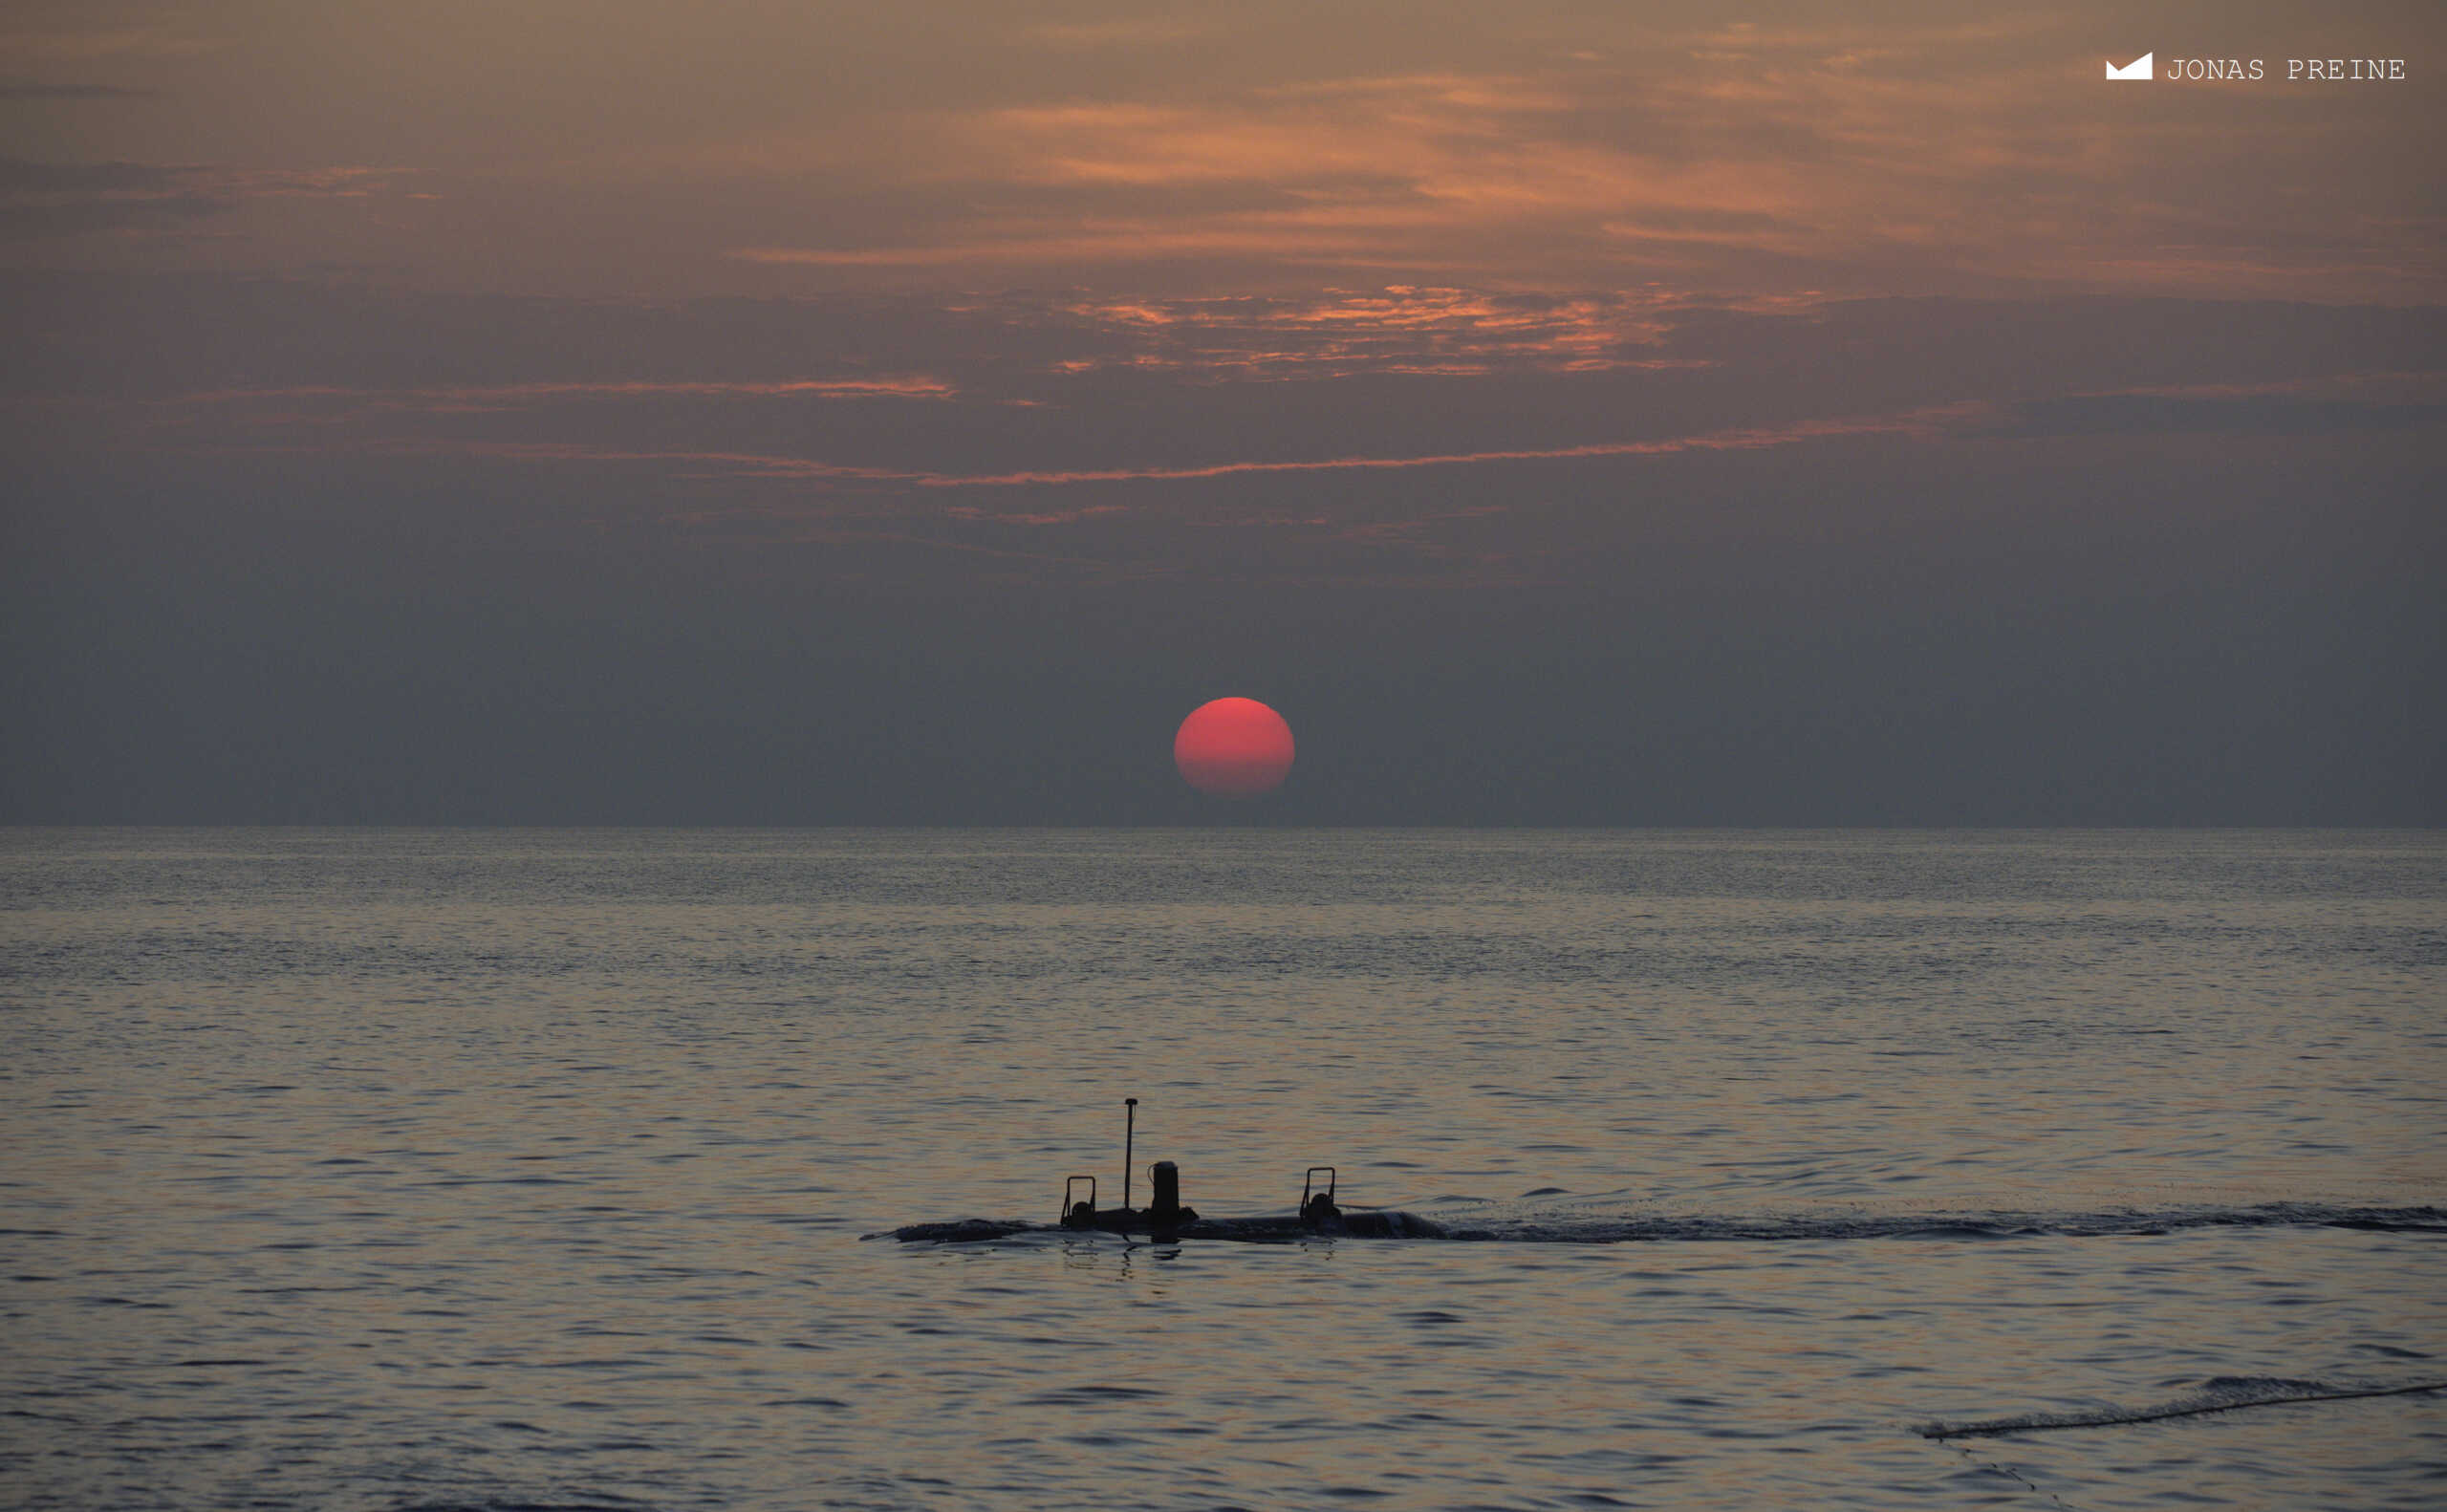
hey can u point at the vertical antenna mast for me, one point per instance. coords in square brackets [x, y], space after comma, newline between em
[1129, 1130]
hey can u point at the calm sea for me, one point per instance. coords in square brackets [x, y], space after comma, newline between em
[387, 1170]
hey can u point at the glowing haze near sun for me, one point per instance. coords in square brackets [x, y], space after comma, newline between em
[1233, 748]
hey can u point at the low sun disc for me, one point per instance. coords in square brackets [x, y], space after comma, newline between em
[1233, 748]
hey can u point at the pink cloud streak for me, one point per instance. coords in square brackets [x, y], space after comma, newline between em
[1927, 421]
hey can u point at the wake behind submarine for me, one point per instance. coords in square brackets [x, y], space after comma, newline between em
[1165, 1218]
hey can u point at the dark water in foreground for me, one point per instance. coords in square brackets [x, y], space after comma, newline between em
[490, 1170]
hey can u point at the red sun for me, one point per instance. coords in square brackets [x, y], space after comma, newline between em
[1233, 748]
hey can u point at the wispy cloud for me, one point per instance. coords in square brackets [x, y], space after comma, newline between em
[1925, 422]
[1400, 328]
[1761, 157]
[1444, 171]
[1178, 150]
[906, 386]
[66, 199]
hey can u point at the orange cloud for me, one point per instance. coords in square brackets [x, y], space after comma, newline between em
[1565, 146]
[1853, 157]
[1402, 328]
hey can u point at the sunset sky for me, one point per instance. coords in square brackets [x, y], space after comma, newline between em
[770, 412]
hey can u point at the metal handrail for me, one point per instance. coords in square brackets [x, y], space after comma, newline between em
[1069, 1184]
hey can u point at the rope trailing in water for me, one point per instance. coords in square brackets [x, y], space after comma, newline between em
[2048, 1425]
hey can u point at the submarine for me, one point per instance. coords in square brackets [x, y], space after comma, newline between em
[1166, 1218]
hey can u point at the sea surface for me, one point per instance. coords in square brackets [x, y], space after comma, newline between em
[533, 1169]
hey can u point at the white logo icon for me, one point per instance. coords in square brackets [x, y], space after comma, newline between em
[2139, 67]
